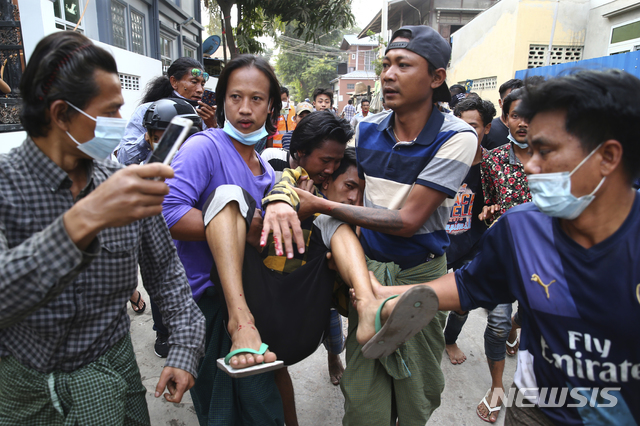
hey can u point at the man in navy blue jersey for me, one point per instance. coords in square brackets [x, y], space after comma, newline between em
[570, 257]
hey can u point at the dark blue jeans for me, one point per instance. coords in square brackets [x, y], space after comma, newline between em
[157, 319]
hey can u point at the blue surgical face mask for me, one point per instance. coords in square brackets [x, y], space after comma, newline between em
[551, 193]
[107, 135]
[249, 139]
[521, 145]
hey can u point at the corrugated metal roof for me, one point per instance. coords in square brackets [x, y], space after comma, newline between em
[360, 74]
[353, 40]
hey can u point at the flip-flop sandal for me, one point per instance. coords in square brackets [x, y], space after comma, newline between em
[223, 363]
[137, 304]
[491, 410]
[414, 311]
[513, 345]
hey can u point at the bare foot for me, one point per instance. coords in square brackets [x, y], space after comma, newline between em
[137, 303]
[512, 341]
[367, 310]
[494, 401]
[247, 336]
[456, 356]
[335, 368]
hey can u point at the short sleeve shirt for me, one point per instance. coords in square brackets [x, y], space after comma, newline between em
[204, 162]
[504, 181]
[580, 311]
[438, 158]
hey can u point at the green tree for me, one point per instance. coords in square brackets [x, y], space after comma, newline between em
[304, 66]
[258, 18]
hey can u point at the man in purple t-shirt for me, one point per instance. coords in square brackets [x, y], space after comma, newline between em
[249, 93]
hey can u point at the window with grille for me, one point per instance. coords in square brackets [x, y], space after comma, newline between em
[137, 32]
[369, 60]
[119, 24]
[67, 14]
[129, 82]
[165, 52]
[559, 55]
[351, 86]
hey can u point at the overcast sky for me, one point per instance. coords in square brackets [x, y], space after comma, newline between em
[365, 10]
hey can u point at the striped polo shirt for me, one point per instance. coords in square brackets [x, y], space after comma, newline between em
[438, 158]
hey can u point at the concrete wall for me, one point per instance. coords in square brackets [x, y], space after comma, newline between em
[11, 140]
[37, 20]
[599, 30]
[133, 64]
[496, 43]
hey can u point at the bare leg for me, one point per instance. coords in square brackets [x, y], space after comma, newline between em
[285, 386]
[352, 266]
[495, 396]
[512, 340]
[451, 332]
[335, 368]
[226, 236]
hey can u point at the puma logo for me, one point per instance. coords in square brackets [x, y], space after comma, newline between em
[537, 279]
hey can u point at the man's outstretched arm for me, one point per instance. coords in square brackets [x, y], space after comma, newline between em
[420, 205]
[445, 287]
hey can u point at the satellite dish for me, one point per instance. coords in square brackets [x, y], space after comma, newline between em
[210, 45]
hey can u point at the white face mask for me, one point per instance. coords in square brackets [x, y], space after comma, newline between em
[285, 105]
[107, 135]
[521, 145]
[551, 193]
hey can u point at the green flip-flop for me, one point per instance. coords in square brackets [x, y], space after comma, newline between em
[414, 311]
[223, 363]
[261, 351]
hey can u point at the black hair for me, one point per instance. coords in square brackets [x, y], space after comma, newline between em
[457, 88]
[62, 66]
[534, 80]
[350, 101]
[365, 100]
[160, 87]
[485, 108]
[515, 95]
[514, 83]
[349, 160]
[320, 91]
[249, 61]
[284, 90]
[316, 128]
[600, 105]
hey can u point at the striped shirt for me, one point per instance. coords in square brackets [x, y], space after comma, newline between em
[439, 158]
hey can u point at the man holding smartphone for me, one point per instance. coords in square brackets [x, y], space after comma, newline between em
[74, 228]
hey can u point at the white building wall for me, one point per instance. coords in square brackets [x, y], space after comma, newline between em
[598, 35]
[39, 21]
[137, 65]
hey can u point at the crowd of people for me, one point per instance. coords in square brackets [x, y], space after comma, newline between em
[269, 227]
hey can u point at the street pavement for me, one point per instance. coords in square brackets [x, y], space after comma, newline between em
[318, 402]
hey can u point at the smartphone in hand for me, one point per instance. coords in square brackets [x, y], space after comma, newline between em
[171, 140]
[209, 97]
